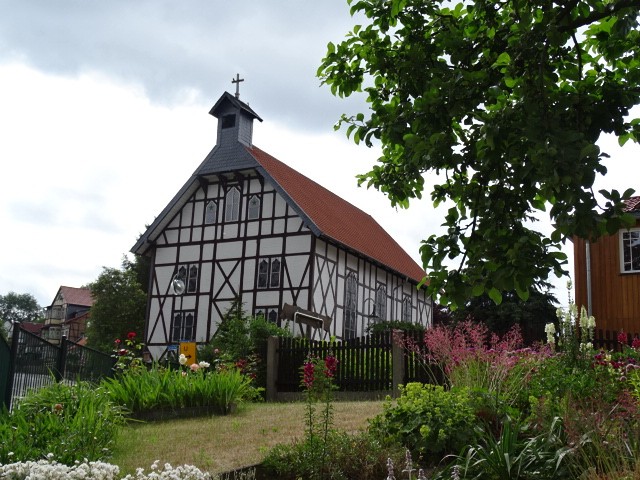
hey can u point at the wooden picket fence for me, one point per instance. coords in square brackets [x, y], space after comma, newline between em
[365, 364]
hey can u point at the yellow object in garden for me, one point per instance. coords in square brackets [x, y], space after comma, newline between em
[188, 349]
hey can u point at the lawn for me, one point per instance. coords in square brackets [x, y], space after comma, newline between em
[223, 443]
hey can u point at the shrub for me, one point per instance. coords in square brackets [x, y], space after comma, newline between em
[428, 420]
[71, 422]
[361, 456]
[142, 390]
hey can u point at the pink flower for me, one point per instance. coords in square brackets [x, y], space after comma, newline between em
[194, 367]
[117, 341]
[330, 364]
[636, 343]
[308, 374]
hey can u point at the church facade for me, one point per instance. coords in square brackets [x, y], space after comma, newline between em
[247, 226]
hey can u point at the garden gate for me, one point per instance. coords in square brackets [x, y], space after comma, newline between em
[31, 363]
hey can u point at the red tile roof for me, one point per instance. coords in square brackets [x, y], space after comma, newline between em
[337, 219]
[632, 205]
[77, 296]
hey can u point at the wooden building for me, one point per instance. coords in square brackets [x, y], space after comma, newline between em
[607, 277]
[67, 315]
[246, 225]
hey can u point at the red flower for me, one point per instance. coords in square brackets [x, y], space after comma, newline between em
[308, 375]
[622, 337]
[636, 343]
[131, 335]
[117, 341]
[122, 351]
[330, 364]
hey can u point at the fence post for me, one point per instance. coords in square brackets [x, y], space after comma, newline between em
[397, 364]
[15, 339]
[62, 359]
[272, 368]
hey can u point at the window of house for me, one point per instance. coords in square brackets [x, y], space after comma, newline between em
[210, 212]
[184, 327]
[189, 275]
[381, 302]
[254, 208]
[630, 250]
[350, 305]
[269, 313]
[269, 273]
[406, 310]
[232, 205]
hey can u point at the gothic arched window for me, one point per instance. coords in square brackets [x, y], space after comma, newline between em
[232, 205]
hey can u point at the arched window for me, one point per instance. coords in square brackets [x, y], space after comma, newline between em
[254, 208]
[275, 273]
[192, 284]
[263, 274]
[381, 302]
[184, 327]
[406, 310]
[211, 212]
[269, 273]
[350, 305]
[232, 205]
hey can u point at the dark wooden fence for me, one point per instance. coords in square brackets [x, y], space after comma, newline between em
[608, 340]
[31, 363]
[373, 363]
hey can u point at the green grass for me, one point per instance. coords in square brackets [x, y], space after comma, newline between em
[223, 443]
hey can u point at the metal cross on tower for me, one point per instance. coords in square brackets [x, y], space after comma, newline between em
[237, 81]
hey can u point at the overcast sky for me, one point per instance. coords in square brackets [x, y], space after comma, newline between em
[104, 116]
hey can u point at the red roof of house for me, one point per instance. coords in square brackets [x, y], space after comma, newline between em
[338, 219]
[632, 205]
[77, 296]
[32, 327]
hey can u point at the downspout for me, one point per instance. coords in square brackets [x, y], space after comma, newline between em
[587, 254]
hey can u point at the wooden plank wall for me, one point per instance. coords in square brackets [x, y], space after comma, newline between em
[615, 295]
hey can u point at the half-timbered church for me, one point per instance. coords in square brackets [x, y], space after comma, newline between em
[245, 225]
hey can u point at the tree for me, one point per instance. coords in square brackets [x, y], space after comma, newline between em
[531, 315]
[119, 307]
[505, 100]
[19, 307]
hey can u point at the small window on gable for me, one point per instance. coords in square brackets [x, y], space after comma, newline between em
[254, 208]
[229, 121]
[232, 206]
[630, 250]
[211, 212]
[406, 310]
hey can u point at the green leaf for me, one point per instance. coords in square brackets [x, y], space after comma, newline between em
[495, 295]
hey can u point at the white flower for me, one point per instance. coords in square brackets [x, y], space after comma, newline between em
[204, 364]
[182, 359]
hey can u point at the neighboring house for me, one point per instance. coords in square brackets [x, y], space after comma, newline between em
[607, 277]
[67, 315]
[247, 226]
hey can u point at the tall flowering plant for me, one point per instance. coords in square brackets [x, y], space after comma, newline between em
[128, 353]
[318, 383]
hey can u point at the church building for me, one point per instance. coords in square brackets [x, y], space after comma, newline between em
[245, 225]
